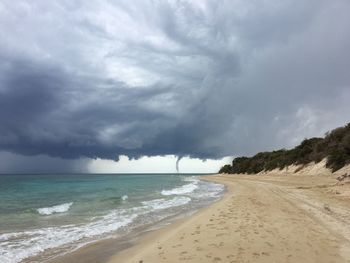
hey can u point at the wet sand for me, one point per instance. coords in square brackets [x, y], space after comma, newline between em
[260, 219]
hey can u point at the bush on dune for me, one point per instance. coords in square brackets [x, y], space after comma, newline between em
[335, 147]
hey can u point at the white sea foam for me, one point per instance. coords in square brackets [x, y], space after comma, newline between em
[21, 245]
[185, 189]
[55, 209]
[158, 204]
[208, 190]
[125, 197]
[190, 179]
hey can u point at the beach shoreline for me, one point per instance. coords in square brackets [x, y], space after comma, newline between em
[260, 219]
[101, 249]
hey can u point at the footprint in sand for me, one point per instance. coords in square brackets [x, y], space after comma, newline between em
[178, 245]
[185, 258]
[209, 255]
[268, 243]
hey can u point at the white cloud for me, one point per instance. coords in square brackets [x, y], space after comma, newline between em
[157, 164]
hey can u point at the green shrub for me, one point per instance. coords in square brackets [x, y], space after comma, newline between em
[335, 146]
[337, 159]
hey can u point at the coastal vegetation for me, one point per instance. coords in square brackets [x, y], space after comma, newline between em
[335, 146]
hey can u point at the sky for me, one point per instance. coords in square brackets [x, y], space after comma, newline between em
[166, 86]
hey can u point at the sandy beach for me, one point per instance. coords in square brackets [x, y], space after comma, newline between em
[260, 219]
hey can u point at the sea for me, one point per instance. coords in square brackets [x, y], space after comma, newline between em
[43, 216]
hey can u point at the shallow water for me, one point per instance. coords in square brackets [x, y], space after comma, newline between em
[48, 215]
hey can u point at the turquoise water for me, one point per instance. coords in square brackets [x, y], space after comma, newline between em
[47, 215]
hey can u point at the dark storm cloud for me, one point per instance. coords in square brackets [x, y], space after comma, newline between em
[191, 78]
[15, 163]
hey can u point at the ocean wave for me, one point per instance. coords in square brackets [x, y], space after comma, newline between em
[208, 190]
[17, 246]
[54, 209]
[21, 245]
[115, 199]
[185, 189]
[190, 179]
[158, 204]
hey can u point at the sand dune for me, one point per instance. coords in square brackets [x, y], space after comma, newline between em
[260, 219]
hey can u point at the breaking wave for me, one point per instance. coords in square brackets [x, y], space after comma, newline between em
[54, 209]
[162, 203]
[185, 189]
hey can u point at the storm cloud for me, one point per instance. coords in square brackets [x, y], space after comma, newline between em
[205, 79]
